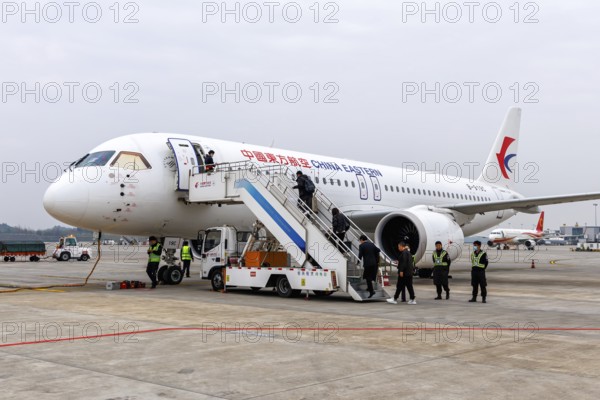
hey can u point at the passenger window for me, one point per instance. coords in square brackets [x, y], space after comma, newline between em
[331, 181]
[386, 188]
[346, 183]
[403, 190]
[213, 239]
[353, 184]
[414, 191]
[419, 191]
[131, 160]
[324, 181]
[317, 179]
[339, 182]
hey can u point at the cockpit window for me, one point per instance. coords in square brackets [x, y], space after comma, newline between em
[98, 159]
[131, 160]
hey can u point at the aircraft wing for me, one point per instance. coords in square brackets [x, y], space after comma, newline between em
[525, 205]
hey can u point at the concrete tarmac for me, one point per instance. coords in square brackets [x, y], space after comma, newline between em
[538, 336]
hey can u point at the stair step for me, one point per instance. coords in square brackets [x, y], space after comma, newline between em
[379, 294]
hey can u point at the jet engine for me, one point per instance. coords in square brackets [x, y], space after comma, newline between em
[420, 228]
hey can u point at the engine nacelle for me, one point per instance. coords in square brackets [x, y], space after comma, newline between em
[423, 228]
[529, 244]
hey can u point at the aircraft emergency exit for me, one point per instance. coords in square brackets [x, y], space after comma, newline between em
[138, 185]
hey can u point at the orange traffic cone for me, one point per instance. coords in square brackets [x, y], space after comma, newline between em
[532, 263]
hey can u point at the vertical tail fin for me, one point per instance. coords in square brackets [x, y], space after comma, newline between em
[540, 225]
[500, 166]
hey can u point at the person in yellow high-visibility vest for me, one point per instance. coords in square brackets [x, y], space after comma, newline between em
[187, 257]
[441, 268]
[479, 262]
[154, 253]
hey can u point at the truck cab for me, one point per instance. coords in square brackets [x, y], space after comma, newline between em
[219, 247]
[68, 248]
[232, 258]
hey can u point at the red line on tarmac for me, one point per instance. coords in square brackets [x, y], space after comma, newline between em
[270, 328]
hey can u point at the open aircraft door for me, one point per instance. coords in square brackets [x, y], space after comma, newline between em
[185, 157]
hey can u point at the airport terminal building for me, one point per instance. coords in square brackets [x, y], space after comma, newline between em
[578, 234]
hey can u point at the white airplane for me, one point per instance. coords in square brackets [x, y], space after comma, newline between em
[528, 238]
[130, 186]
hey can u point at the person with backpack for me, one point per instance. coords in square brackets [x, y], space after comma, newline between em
[306, 188]
[339, 224]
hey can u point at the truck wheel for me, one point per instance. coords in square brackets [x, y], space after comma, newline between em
[36, 259]
[64, 256]
[175, 276]
[283, 287]
[13, 259]
[6, 259]
[84, 257]
[216, 281]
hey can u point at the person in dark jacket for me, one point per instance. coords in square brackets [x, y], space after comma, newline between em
[209, 162]
[369, 254]
[305, 196]
[405, 275]
[441, 269]
[339, 224]
[480, 262]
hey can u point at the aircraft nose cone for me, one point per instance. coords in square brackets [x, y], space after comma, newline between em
[66, 201]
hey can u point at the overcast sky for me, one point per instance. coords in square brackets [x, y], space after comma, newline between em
[373, 51]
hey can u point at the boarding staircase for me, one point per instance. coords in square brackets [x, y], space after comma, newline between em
[305, 234]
